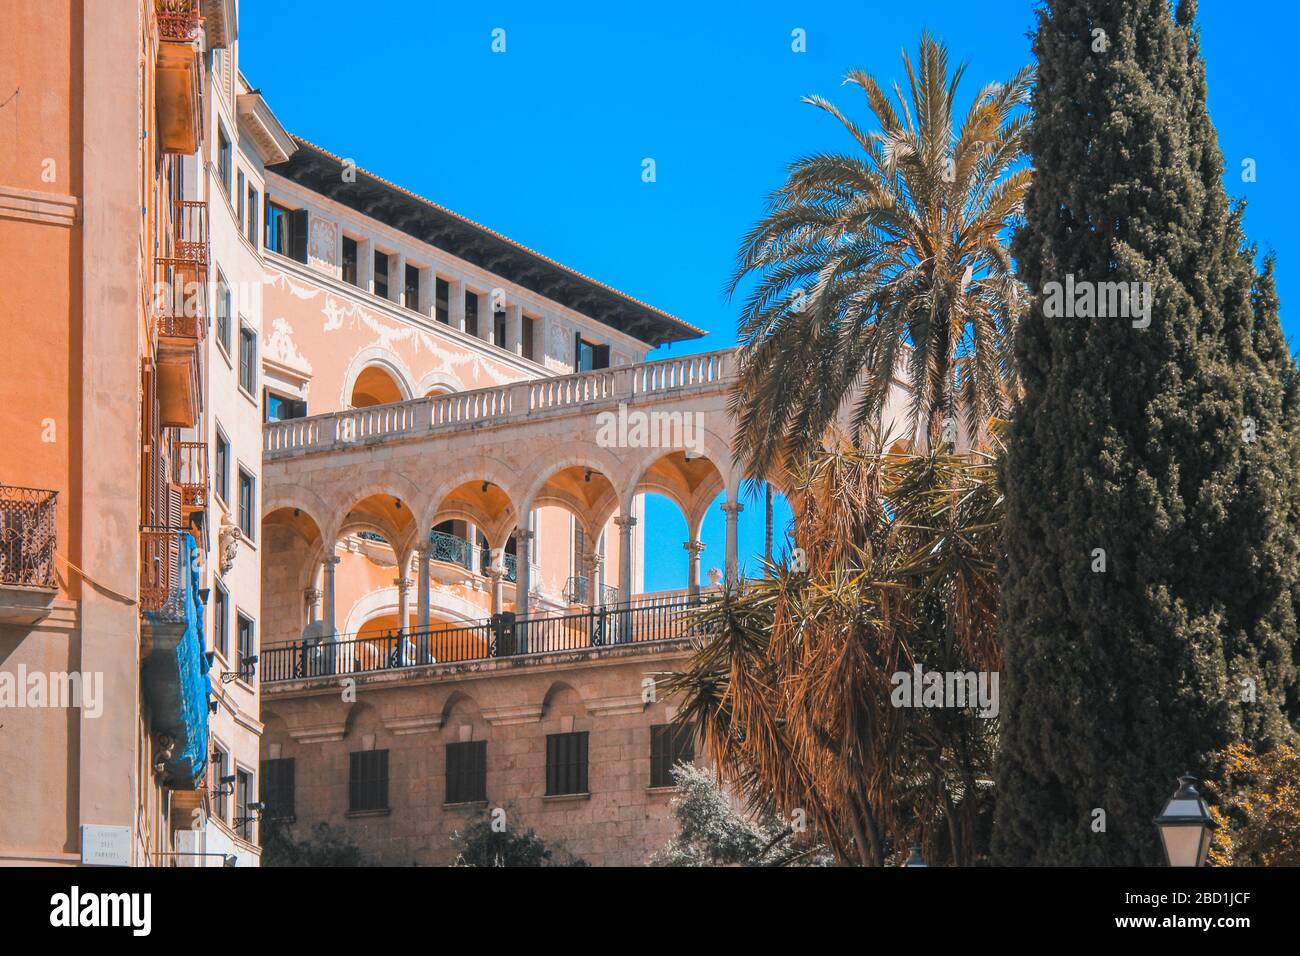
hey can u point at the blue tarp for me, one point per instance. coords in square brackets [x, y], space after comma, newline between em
[176, 675]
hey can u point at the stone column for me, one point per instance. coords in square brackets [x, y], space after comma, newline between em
[403, 602]
[486, 317]
[732, 509]
[397, 290]
[311, 598]
[515, 329]
[456, 304]
[422, 608]
[596, 581]
[495, 577]
[330, 564]
[693, 550]
[626, 527]
[422, 594]
[523, 569]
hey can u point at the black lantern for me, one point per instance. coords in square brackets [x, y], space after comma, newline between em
[1185, 825]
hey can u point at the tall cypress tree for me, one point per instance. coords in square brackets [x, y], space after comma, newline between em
[1151, 529]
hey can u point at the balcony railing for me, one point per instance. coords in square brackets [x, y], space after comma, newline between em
[178, 77]
[501, 404]
[579, 590]
[503, 636]
[190, 473]
[28, 536]
[178, 19]
[160, 582]
[453, 549]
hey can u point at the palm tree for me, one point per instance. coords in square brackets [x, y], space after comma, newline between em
[789, 682]
[889, 263]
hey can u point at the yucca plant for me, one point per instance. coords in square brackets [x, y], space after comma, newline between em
[888, 263]
[789, 684]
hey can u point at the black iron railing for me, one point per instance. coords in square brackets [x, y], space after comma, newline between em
[501, 636]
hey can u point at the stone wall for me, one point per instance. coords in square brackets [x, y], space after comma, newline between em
[513, 705]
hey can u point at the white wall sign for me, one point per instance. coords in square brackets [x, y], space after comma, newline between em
[105, 846]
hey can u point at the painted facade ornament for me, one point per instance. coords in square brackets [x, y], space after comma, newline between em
[323, 242]
[279, 346]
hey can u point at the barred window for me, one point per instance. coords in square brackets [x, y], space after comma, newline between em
[467, 771]
[278, 788]
[669, 746]
[368, 780]
[566, 763]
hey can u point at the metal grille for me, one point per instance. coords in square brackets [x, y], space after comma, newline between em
[190, 472]
[178, 19]
[27, 536]
[566, 763]
[368, 780]
[159, 575]
[467, 771]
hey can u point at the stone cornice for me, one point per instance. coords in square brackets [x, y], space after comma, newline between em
[29, 205]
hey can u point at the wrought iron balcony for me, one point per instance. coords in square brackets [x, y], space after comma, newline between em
[178, 20]
[647, 621]
[190, 473]
[452, 549]
[28, 536]
[578, 590]
[178, 76]
[161, 585]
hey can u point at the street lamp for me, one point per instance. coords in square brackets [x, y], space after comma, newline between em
[916, 859]
[1185, 825]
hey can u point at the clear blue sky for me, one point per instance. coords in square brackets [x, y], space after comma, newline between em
[545, 142]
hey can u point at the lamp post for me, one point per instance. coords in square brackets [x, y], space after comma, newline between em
[1185, 825]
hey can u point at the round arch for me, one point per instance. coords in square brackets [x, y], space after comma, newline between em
[385, 360]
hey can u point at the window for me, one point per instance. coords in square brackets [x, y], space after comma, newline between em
[467, 771]
[412, 294]
[566, 763]
[239, 193]
[221, 465]
[220, 789]
[277, 788]
[223, 311]
[499, 329]
[245, 793]
[224, 158]
[368, 780]
[349, 260]
[251, 227]
[442, 300]
[529, 342]
[278, 407]
[247, 488]
[245, 647]
[471, 313]
[381, 274]
[286, 231]
[669, 746]
[589, 356]
[248, 360]
[220, 621]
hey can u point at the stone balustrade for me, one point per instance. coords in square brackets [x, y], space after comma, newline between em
[500, 405]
